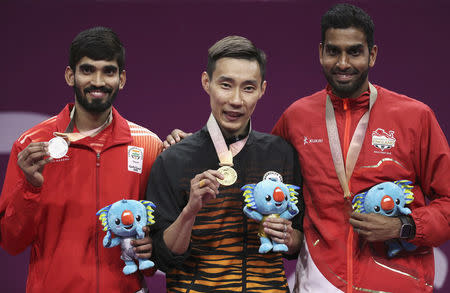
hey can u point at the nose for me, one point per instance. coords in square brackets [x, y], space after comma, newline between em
[278, 194]
[98, 80]
[236, 99]
[387, 203]
[342, 63]
[127, 217]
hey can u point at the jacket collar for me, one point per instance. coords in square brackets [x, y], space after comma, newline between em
[354, 103]
[120, 129]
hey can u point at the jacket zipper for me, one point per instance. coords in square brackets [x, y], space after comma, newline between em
[97, 228]
[348, 119]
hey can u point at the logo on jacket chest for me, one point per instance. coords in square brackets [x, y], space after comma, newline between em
[383, 140]
[135, 159]
[307, 140]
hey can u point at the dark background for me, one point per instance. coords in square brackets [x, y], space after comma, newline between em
[166, 51]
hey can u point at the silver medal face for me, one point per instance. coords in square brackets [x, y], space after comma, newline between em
[57, 147]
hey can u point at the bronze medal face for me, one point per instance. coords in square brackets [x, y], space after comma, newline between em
[57, 147]
[229, 174]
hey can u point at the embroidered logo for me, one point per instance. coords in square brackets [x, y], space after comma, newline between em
[135, 159]
[307, 140]
[383, 140]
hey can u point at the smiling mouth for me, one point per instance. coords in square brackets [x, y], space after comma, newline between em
[389, 212]
[278, 204]
[128, 227]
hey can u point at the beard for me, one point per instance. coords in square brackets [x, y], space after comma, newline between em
[96, 105]
[345, 90]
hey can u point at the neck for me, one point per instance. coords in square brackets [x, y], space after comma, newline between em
[241, 132]
[86, 121]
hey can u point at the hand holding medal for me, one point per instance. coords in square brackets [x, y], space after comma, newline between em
[204, 187]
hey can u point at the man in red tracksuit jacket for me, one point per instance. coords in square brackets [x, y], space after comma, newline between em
[349, 137]
[51, 204]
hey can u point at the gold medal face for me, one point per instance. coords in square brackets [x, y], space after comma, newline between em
[229, 174]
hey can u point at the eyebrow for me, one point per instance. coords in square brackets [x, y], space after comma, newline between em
[231, 80]
[86, 66]
[110, 68]
[352, 47]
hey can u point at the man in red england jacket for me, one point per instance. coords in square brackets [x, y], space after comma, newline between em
[50, 202]
[349, 137]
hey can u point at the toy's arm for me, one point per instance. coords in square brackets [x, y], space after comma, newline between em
[255, 215]
[290, 212]
[110, 242]
[140, 232]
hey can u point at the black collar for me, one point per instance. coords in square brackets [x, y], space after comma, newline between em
[233, 139]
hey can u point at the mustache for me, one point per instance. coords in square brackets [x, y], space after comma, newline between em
[95, 88]
[347, 71]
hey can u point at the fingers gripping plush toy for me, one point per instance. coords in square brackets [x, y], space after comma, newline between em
[388, 199]
[125, 219]
[270, 198]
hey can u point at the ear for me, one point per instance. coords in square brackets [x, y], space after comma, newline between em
[263, 88]
[320, 53]
[122, 79]
[69, 76]
[205, 81]
[373, 55]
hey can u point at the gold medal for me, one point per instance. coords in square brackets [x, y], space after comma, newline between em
[229, 175]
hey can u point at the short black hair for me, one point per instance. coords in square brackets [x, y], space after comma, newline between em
[97, 43]
[345, 15]
[235, 47]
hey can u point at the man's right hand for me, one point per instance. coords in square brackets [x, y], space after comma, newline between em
[174, 137]
[204, 187]
[32, 161]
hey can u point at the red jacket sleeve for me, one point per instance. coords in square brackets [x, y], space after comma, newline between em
[280, 129]
[432, 166]
[19, 206]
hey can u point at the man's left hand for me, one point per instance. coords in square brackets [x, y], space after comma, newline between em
[143, 247]
[375, 227]
[280, 230]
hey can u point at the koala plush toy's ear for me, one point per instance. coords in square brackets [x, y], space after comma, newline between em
[358, 202]
[149, 206]
[103, 217]
[406, 186]
[248, 195]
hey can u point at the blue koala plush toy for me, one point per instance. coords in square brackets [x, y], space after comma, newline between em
[270, 198]
[125, 219]
[388, 199]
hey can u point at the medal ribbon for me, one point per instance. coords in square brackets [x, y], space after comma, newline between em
[71, 136]
[224, 154]
[344, 172]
